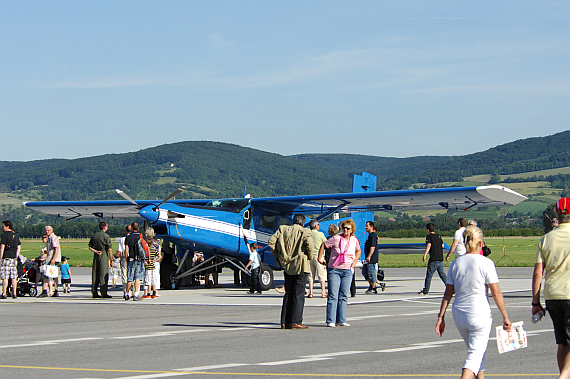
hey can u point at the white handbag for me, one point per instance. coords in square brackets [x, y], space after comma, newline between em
[51, 271]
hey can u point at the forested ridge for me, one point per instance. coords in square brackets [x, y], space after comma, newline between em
[215, 169]
[531, 154]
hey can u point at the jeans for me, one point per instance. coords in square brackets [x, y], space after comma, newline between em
[255, 285]
[475, 331]
[294, 299]
[431, 268]
[135, 270]
[339, 287]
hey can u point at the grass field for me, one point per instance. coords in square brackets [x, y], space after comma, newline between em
[520, 252]
[75, 249]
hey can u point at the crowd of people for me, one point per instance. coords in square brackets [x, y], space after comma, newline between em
[306, 255]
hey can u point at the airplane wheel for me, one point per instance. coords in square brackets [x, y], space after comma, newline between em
[174, 283]
[266, 278]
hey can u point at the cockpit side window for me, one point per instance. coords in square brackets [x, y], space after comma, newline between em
[267, 221]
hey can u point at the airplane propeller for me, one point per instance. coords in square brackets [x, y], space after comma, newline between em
[173, 194]
[127, 197]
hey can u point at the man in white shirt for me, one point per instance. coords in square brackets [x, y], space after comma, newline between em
[458, 246]
[121, 251]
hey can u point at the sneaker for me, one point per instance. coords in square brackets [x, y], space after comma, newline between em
[14, 296]
[126, 297]
[331, 325]
[55, 294]
[250, 292]
[374, 291]
[369, 290]
[383, 286]
[145, 297]
[3, 297]
[153, 296]
[343, 324]
[107, 297]
[43, 294]
[422, 293]
[136, 298]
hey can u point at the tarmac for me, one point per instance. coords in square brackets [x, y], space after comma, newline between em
[224, 332]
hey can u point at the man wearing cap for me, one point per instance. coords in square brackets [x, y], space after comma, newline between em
[553, 259]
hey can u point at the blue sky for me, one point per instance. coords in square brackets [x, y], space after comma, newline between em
[384, 78]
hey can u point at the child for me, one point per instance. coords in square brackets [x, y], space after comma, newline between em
[149, 282]
[255, 266]
[65, 275]
[115, 268]
[39, 261]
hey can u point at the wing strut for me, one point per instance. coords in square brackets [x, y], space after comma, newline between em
[332, 211]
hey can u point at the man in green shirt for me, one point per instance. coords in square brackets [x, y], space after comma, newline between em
[100, 245]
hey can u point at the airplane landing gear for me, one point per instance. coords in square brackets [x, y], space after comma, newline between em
[266, 277]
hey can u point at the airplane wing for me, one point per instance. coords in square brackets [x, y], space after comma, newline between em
[100, 208]
[460, 198]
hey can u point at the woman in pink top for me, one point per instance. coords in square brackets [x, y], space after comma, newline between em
[344, 256]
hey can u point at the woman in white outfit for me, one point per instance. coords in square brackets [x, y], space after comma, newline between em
[470, 276]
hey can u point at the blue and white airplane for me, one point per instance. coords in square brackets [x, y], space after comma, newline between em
[217, 227]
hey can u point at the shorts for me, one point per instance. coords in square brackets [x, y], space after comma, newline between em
[135, 270]
[559, 311]
[371, 272]
[149, 277]
[8, 269]
[317, 270]
[66, 281]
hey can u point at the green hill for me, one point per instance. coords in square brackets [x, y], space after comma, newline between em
[215, 169]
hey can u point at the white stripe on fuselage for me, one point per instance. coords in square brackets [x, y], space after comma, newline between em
[217, 226]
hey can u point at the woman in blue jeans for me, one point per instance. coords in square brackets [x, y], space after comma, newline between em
[345, 250]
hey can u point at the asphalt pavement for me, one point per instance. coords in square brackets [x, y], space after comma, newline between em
[224, 332]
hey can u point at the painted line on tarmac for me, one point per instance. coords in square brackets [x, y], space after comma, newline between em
[200, 368]
[291, 361]
[162, 374]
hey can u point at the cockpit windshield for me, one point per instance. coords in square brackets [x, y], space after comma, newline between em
[236, 204]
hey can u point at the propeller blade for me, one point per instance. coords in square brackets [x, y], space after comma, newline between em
[173, 194]
[127, 197]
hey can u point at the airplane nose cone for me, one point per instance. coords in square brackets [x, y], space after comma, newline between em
[149, 214]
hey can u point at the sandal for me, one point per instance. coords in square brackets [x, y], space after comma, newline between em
[310, 295]
[324, 295]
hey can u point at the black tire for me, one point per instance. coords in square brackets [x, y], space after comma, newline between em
[266, 278]
[33, 291]
[20, 292]
[245, 280]
[175, 284]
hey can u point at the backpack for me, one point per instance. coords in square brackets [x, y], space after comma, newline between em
[143, 251]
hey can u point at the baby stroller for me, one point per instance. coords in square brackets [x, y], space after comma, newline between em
[26, 278]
